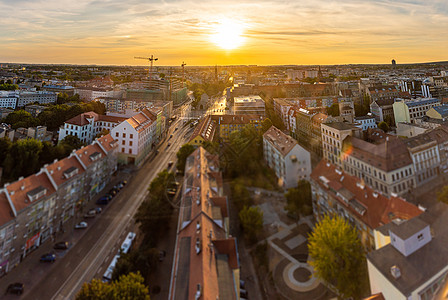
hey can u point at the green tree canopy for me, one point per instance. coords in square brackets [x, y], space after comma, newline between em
[5, 146]
[383, 126]
[20, 118]
[338, 256]
[333, 110]
[299, 201]
[23, 158]
[251, 219]
[442, 195]
[71, 142]
[129, 286]
[182, 155]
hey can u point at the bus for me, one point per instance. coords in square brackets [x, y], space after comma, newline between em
[127, 243]
[125, 247]
[107, 277]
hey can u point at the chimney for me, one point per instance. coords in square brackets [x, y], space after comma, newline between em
[395, 271]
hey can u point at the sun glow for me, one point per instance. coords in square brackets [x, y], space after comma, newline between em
[228, 34]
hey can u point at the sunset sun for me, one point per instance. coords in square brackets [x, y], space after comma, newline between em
[228, 34]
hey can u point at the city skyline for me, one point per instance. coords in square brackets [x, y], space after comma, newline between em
[231, 33]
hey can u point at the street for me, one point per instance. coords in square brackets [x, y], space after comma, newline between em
[93, 248]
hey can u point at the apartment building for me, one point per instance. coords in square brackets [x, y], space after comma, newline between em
[424, 152]
[409, 110]
[382, 110]
[87, 125]
[382, 93]
[227, 124]
[249, 105]
[205, 131]
[385, 164]
[282, 108]
[206, 262]
[413, 263]
[34, 208]
[289, 160]
[337, 192]
[8, 99]
[93, 93]
[333, 135]
[365, 122]
[136, 137]
[41, 97]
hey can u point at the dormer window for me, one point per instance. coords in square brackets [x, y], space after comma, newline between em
[36, 193]
[70, 172]
[95, 156]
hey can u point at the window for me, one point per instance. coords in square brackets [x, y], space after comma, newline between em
[130, 151]
[124, 135]
[130, 143]
[131, 136]
[123, 142]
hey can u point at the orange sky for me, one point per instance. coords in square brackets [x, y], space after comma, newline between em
[274, 32]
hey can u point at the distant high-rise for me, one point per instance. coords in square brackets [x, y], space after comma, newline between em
[394, 63]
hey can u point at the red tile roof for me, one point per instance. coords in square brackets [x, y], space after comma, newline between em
[88, 153]
[20, 191]
[6, 213]
[379, 209]
[282, 142]
[63, 170]
[82, 119]
[107, 142]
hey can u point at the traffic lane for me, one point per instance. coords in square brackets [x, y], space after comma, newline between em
[57, 276]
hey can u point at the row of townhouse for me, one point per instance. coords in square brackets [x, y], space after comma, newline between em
[35, 208]
[387, 163]
[206, 263]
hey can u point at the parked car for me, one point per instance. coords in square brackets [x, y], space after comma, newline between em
[243, 293]
[81, 225]
[90, 214]
[49, 257]
[170, 164]
[61, 246]
[242, 284]
[112, 192]
[98, 210]
[102, 201]
[171, 136]
[15, 288]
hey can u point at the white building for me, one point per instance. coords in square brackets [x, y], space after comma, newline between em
[366, 122]
[136, 137]
[249, 105]
[87, 125]
[90, 94]
[8, 99]
[25, 98]
[289, 161]
[409, 110]
[413, 263]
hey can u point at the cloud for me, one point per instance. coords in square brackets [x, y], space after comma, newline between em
[180, 29]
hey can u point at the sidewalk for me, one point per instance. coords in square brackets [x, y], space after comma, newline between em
[30, 271]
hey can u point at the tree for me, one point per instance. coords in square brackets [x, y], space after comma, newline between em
[20, 118]
[155, 212]
[442, 195]
[23, 158]
[338, 256]
[333, 110]
[71, 142]
[5, 145]
[240, 195]
[251, 219]
[182, 156]
[299, 201]
[129, 286]
[383, 126]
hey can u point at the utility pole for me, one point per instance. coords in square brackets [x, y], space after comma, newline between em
[151, 60]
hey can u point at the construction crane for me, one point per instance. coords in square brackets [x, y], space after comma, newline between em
[151, 59]
[183, 71]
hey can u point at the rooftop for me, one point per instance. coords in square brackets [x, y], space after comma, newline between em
[371, 207]
[424, 263]
[281, 141]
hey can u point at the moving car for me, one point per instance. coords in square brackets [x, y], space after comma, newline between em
[15, 288]
[81, 225]
[61, 246]
[49, 257]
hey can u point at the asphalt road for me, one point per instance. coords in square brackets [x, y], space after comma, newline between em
[91, 254]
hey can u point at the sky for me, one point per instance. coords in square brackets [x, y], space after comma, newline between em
[269, 32]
